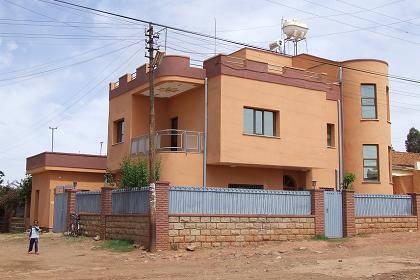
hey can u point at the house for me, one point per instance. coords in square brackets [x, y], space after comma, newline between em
[274, 121]
[51, 170]
[405, 172]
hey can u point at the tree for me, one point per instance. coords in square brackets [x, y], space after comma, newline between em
[134, 173]
[1, 177]
[412, 144]
[348, 180]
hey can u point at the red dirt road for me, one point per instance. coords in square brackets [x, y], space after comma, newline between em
[383, 256]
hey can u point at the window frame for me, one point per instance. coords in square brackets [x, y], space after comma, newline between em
[369, 98]
[117, 130]
[254, 123]
[332, 136]
[367, 166]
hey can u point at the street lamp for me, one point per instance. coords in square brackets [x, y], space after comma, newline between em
[313, 184]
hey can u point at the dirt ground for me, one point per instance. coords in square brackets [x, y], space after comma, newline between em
[383, 256]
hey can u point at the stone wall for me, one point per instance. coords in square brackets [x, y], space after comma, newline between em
[128, 227]
[385, 224]
[239, 230]
[90, 224]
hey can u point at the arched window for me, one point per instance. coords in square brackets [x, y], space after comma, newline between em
[289, 184]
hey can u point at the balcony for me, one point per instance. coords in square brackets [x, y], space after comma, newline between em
[170, 140]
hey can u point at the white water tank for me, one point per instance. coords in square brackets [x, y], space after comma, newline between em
[294, 29]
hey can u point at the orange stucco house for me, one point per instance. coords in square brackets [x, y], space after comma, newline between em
[50, 170]
[274, 121]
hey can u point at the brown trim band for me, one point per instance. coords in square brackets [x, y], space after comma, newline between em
[240, 215]
[373, 217]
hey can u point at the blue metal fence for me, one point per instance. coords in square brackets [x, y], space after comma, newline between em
[382, 205]
[190, 200]
[88, 202]
[130, 201]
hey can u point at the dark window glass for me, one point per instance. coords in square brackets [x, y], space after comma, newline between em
[245, 186]
[120, 127]
[259, 122]
[368, 102]
[370, 163]
[330, 135]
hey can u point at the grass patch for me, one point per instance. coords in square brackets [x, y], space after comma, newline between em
[118, 245]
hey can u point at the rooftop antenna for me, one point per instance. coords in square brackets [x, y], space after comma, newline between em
[295, 31]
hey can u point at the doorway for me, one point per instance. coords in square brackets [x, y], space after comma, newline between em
[174, 134]
[289, 184]
[36, 208]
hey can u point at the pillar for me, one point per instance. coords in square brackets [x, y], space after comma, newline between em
[159, 217]
[71, 205]
[106, 209]
[415, 201]
[317, 209]
[349, 214]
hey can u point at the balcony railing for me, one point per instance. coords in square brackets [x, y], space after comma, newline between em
[170, 140]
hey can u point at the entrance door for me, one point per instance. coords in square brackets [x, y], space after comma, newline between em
[333, 213]
[174, 134]
[60, 211]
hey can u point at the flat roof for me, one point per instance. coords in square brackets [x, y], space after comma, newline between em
[65, 160]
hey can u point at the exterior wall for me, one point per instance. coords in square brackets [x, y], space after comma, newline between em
[222, 231]
[181, 169]
[270, 178]
[46, 182]
[261, 56]
[90, 224]
[358, 132]
[128, 227]
[385, 224]
[403, 184]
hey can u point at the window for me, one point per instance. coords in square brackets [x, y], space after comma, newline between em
[370, 163]
[259, 122]
[369, 102]
[330, 135]
[245, 186]
[119, 131]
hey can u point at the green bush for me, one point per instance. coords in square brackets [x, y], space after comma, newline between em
[118, 245]
[135, 173]
[348, 180]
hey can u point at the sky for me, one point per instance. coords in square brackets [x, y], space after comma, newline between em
[56, 62]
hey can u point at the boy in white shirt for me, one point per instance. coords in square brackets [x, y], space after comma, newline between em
[34, 237]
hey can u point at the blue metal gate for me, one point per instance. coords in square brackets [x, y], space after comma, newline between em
[60, 211]
[333, 213]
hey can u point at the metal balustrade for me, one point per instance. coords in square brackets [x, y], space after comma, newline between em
[170, 140]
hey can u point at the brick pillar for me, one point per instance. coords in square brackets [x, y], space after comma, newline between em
[71, 205]
[159, 226]
[317, 209]
[106, 209]
[415, 201]
[349, 219]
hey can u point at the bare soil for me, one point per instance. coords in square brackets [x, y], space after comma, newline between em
[380, 256]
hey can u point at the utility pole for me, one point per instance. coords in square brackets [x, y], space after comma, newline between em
[150, 47]
[100, 149]
[52, 137]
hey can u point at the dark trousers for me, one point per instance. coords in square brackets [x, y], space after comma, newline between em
[31, 245]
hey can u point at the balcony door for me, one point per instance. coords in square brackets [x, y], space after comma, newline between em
[174, 134]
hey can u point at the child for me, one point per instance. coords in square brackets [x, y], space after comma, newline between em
[34, 237]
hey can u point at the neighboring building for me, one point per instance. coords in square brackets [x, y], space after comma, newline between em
[406, 172]
[50, 170]
[273, 121]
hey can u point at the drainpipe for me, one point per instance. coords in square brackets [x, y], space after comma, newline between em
[340, 128]
[205, 133]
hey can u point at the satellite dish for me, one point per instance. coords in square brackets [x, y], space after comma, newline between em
[294, 30]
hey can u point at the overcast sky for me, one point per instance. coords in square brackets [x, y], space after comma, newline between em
[56, 62]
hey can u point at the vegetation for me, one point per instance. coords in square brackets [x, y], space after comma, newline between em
[118, 245]
[134, 173]
[412, 144]
[14, 195]
[109, 179]
[348, 180]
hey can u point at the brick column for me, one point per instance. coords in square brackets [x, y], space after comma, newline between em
[106, 209]
[415, 201]
[317, 209]
[159, 226]
[71, 205]
[349, 219]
